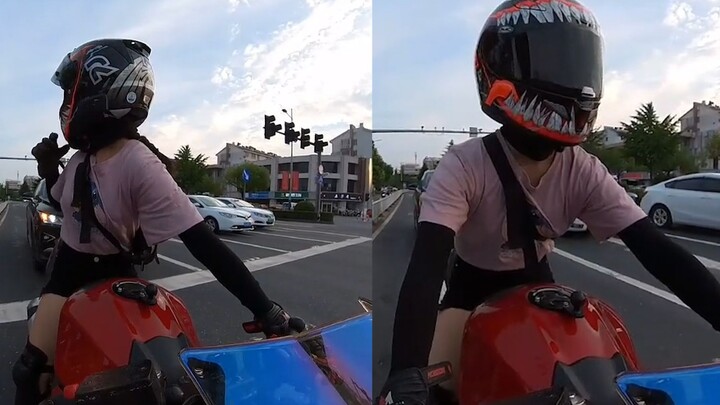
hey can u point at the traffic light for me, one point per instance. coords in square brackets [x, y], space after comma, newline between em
[304, 138]
[271, 128]
[291, 135]
[319, 143]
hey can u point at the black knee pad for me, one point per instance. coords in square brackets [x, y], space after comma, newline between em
[26, 375]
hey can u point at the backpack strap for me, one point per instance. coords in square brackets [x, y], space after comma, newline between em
[140, 254]
[521, 228]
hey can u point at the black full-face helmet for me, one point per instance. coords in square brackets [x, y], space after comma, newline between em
[107, 83]
[539, 68]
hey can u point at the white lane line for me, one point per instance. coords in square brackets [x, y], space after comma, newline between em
[241, 243]
[709, 263]
[389, 217]
[704, 242]
[292, 237]
[4, 210]
[293, 224]
[320, 232]
[17, 311]
[621, 277]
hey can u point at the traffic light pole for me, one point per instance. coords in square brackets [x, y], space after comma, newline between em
[292, 144]
[318, 200]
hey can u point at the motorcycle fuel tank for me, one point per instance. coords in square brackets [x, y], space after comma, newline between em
[539, 338]
[100, 325]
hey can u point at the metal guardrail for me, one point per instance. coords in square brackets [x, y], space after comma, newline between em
[383, 204]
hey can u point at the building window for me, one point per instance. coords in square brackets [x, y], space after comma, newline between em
[351, 184]
[330, 185]
[302, 167]
[303, 184]
[352, 168]
[330, 167]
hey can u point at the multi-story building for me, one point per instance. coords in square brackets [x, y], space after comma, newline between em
[234, 154]
[697, 127]
[410, 169]
[353, 142]
[612, 137]
[346, 172]
[344, 181]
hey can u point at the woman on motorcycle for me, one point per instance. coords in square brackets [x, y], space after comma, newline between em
[118, 198]
[539, 73]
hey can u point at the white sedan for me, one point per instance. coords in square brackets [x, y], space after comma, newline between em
[693, 199]
[219, 217]
[261, 217]
[578, 226]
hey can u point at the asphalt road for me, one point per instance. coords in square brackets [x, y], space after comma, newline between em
[665, 333]
[315, 271]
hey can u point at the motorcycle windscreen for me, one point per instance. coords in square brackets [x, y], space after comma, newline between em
[331, 365]
[697, 385]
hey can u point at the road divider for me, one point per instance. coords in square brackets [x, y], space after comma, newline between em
[380, 206]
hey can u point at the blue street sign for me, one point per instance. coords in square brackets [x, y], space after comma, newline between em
[246, 175]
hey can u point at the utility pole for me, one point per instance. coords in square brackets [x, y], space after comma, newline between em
[291, 159]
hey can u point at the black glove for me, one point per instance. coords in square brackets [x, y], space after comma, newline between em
[48, 155]
[405, 387]
[276, 322]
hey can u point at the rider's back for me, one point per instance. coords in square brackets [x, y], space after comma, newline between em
[129, 190]
[466, 195]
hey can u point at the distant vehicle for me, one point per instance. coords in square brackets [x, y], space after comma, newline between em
[43, 226]
[419, 190]
[693, 199]
[260, 217]
[219, 217]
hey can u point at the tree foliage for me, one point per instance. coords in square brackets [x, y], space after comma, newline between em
[713, 150]
[190, 171]
[259, 178]
[650, 141]
[382, 173]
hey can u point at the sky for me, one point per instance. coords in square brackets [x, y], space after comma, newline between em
[660, 51]
[220, 65]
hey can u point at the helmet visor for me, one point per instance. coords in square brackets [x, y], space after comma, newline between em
[564, 59]
[65, 74]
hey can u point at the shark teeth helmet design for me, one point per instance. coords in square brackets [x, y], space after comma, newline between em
[538, 66]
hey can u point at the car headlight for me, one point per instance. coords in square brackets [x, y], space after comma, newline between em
[47, 218]
[228, 215]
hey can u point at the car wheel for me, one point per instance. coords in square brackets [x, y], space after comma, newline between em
[660, 216]
[213, 224]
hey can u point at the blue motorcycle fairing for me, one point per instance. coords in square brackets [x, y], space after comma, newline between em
[330, 365]
[695, 385]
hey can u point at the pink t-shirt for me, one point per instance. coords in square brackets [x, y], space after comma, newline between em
[466, 195]
[131, 189]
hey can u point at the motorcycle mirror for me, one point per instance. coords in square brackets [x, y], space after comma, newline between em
[365, 303]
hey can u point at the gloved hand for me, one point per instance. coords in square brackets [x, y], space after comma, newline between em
[405, 387]
[48, 156]
[276, 322]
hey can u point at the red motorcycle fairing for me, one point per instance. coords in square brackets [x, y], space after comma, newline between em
[513, 347]
[100, 329]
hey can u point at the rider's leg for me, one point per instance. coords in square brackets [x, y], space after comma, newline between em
[32, 372]
[469, 287]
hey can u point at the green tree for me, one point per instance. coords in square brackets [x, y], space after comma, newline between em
[259, 178]
[713, 150]
[683, 161]
[190, 170]
[3, 192]
[378, 168]
[651, 142]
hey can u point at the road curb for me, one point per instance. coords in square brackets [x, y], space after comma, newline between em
[3, 206]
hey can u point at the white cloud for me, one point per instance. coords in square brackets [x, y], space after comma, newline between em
[679, 13]
[320, 66]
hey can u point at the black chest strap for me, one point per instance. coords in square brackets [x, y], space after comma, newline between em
[521, 229]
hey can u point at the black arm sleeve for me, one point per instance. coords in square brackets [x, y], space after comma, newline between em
[229, 270]
[417, 306]
[675, 267]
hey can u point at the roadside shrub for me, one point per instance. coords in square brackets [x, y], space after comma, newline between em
[305, 206]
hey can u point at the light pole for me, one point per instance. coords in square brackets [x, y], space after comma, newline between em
[291, 159]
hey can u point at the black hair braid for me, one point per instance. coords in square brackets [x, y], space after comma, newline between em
[164, 159]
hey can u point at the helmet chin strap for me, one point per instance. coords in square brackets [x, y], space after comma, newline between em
[528, 144]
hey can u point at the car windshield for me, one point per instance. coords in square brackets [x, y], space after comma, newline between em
[209, 201]
[227, 202]
[243, 203]
[282, 372]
